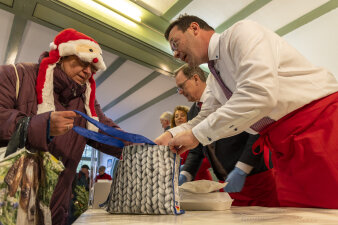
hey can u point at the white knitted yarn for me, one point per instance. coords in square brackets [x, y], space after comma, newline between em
[145, 182]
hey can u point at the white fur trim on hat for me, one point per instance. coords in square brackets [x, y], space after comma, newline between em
[86, 50]
[87, 98]
[48, 92]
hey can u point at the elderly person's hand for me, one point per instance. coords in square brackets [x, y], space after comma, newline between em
[183, 141]
[164, 138]
[61, 122]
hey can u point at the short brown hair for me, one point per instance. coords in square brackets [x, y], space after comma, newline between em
[184, 21]
[181, 108]
[190, 71]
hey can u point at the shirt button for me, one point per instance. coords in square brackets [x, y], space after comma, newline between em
[209, 139]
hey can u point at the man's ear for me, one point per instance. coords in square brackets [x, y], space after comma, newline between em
[195, 27]
[196, 77]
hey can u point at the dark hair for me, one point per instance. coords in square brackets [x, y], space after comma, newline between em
[85, 166]
[184, 21]
[102, 167]
[190, 71]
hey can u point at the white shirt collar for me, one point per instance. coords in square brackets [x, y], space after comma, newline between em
[213, 49]
[204, 94]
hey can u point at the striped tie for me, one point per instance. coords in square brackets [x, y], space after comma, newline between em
[214, 72]
[259, 125]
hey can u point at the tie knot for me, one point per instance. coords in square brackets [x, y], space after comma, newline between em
[199, 104]
[211, 63]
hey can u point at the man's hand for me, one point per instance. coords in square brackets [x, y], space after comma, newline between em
[182, 179]
[61, 122]
[236, 180]
[164, 138]
[183, 142]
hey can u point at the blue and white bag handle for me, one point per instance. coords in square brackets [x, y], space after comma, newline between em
[115, 133]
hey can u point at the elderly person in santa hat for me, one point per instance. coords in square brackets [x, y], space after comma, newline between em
[46, 93]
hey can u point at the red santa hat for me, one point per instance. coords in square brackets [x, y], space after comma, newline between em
[68, 42]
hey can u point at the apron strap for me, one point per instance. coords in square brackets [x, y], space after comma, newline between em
[262, 142]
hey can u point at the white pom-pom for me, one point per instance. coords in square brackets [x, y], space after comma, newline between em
[52, 46]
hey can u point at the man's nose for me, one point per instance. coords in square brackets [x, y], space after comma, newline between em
[176, 54]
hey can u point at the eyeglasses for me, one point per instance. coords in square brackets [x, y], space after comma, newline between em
[180, 87]
[84, 65]
[174, 45]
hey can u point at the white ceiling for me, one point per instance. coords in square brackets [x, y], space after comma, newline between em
[276, 14]
[126, 76]
[158, 7]
[317, 40]
[36, 39]
[214, 12]
[6, 20]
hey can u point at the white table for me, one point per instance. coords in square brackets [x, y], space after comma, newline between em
[236, 215]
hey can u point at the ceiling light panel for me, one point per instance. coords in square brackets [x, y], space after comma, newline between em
[124, 7]
[158, 7]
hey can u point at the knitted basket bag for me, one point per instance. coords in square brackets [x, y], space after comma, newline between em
[146, 178]
[146, 181]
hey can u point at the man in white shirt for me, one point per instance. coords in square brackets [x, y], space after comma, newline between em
[250, 182]
[264, 85]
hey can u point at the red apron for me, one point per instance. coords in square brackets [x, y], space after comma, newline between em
[259, 190]
[203, 173]
[304, 146]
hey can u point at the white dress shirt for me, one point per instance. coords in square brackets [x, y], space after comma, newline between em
[267, 76]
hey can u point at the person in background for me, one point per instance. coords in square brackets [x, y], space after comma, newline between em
[249, 180]
[82, 178]
[165, 119]
[181, 116]
[80, 194]
[63, 81]
[261, 84]
[102, 174]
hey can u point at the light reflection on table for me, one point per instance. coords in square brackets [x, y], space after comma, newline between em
[236, 215]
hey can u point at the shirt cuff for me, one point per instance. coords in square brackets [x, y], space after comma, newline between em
[207, 133]
[175, 130]
[204, 140]
[245, 167]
